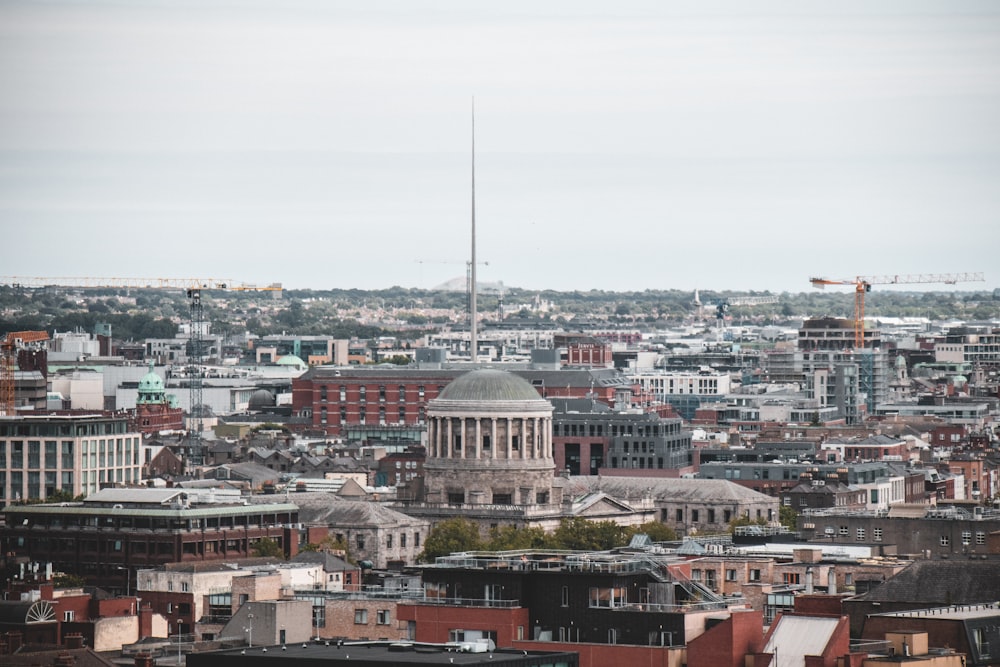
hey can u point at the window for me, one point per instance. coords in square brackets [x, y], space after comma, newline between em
[360, 616]
[607, 597]
[184, 586]
[877, 534]
[565, 596]
[360, 540]
[754, 575]
[69, 616]
[860, 535]
[388, 541]
[980, 641]
[680, 515]
[694, 516]
[382, 617]
[966, 538]
[730, 575]
[842, 530]
[790, 577]
[980, 537]
[695, 575]
[402, 540]
[170, 607]
[945, 540]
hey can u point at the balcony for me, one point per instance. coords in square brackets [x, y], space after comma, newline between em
[468, 602]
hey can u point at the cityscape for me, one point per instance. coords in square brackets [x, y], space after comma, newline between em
[541, 334]
[583, 479]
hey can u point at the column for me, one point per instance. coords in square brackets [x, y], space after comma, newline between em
[461, 437]
[451, 438]
[536, 439]
[494, 445]
[524, 437]
[510, 438]
[479, 438]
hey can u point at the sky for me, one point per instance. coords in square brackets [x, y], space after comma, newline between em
[742, 146]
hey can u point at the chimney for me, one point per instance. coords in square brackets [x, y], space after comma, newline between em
[143, 660]
[146, 621]
[809, 581]
[74, 640]
[831, 582]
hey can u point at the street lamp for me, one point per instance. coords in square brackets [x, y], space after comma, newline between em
[249, 631]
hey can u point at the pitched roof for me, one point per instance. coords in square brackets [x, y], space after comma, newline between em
[937, 582]
[795, 637]
[671, 489]
[329, 509]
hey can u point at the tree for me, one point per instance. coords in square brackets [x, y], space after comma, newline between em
[787, 516]
[579, 534]
[64, 580]
[267, 548]
[451, 536]
[328, 544]
[656, 531]
[511, 538]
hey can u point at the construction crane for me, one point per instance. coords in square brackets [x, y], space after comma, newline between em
[9, 347]
[722, 307]
[193, 288]
[863, 285]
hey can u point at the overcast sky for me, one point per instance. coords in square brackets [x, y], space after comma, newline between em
[619, 145]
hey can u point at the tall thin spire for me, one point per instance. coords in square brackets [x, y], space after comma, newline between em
[473, 331]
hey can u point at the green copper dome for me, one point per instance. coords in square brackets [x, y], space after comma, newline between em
[151, 388]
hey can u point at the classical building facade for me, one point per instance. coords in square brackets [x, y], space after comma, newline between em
[489, 441]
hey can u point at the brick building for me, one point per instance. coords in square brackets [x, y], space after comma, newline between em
[334, 399]
[115, 532]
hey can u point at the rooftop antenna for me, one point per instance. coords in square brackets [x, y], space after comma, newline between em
[473, 333]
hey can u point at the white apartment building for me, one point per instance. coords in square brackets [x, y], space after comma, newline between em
[72, 453]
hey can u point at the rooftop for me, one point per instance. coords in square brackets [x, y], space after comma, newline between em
[388, 653]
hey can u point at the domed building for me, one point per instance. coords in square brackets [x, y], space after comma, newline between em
[261, 401]
[489, 442]
[155, 409]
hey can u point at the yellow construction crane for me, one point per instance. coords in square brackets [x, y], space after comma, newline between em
[863, 285]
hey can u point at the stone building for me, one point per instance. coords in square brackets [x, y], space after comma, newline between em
[489, 441]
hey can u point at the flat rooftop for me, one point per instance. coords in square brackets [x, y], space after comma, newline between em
[959, 612]
[378, 653]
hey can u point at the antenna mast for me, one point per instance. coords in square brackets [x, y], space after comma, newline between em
[473, 332]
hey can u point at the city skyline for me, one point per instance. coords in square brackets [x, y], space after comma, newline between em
[709, 146]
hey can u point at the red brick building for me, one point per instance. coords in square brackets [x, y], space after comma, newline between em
[333, 398]
[155, 411]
